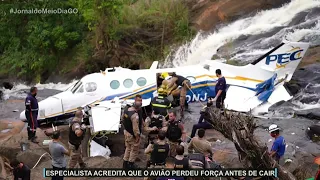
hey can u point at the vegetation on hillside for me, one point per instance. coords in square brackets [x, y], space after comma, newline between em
[96, 35]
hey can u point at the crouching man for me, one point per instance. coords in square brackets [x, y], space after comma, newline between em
[76, 135]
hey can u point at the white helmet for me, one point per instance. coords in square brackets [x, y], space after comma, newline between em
[273, 127]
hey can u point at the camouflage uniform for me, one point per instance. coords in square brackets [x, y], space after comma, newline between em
[76, 150]
[132, 123]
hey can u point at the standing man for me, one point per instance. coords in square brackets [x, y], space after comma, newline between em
[31, 113]
[220, 90]
[279, 144]
[161, 104]
[175, 133]
[132, 122]
[57, 152]
[76, 135]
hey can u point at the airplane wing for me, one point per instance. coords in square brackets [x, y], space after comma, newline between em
[105, 115]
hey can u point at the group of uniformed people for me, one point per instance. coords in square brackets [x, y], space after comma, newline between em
[165, 133]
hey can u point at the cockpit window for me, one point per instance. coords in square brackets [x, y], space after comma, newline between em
[76, 86]
[91, 86]
[80, 90]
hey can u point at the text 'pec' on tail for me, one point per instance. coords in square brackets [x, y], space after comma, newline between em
[283, 59]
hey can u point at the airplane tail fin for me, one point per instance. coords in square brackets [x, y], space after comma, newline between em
[283, 59]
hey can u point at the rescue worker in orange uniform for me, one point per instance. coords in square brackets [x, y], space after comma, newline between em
[171, 83]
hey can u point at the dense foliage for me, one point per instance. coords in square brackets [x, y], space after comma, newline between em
[99, 34]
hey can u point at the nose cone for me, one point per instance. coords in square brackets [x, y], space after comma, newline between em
[22, 115]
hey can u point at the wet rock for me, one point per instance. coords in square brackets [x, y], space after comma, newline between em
[293, 87]
[1, 95]
[310, 114]
[313, 132]
[206, 14]
[7, 85]
[282, 109]
[31, 157]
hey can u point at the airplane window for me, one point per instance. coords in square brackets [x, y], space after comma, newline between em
[191, 79]
[128, 83]
[141, 81]
[80, 89]
[91, 86]
[114, 84]
[76, 86]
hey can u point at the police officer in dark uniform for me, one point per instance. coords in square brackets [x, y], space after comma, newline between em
[175, 133]
[181, 162]
[132, 122]
[31, 113]
[159, 151]
[153, 125]
[76, 135]
[161, 103]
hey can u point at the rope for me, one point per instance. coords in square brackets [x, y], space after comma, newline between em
[40, 159]
[195, 96]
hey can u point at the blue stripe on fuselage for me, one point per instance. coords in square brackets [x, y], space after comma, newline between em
[202, 92]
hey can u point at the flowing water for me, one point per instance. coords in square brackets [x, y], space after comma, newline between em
[243, 40]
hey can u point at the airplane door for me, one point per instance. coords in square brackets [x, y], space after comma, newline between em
[83, 94]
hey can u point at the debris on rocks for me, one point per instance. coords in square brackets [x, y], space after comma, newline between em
[239, 129]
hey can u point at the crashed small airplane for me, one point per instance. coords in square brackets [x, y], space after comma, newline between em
[253, 87]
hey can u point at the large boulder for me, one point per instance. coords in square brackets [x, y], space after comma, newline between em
[206, 14]
[7, 85]
[313, 114]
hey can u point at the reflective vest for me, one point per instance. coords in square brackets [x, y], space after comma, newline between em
[127, 123]
[160, 105]
[73, 138]
[174, 133]
[159, 154]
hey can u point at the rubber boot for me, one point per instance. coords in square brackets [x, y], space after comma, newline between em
[34, 140]
[125, 165]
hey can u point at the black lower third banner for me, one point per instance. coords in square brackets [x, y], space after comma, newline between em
[161, 173]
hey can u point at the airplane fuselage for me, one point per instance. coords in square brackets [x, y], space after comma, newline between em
[125, 84]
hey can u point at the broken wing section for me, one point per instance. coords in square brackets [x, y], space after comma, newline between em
[105, 117]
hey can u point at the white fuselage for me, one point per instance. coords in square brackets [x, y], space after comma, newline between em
[125, 84]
